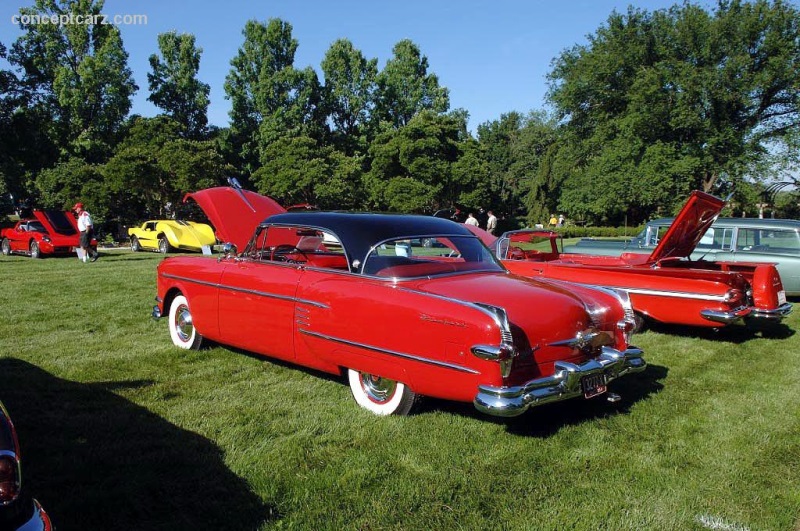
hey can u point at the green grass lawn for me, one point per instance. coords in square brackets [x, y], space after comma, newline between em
[120, 430]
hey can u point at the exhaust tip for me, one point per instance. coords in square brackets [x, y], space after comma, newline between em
[613, 398]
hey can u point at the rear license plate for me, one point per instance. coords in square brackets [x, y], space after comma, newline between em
[593, 385]
[781, 297]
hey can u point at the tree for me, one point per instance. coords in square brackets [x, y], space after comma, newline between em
[258, 85]
[405, 88]
[349, 92]
[411, 168]
[174, 86]
[658, 104]
[80, 71]
[153, 167]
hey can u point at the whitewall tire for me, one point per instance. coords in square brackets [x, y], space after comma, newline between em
[181, 327]
[381, 395]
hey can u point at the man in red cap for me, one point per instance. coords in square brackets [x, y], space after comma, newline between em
[87, 231]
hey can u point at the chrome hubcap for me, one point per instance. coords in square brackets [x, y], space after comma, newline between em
[183, 323]
[378, 389]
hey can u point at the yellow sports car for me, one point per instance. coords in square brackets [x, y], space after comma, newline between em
[165, 235]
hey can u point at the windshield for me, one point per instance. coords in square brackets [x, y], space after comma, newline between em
[429, 256]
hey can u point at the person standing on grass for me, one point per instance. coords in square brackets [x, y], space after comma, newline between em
[491, 223]
[87, 232]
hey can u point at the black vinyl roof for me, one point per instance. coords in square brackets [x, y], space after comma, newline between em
[357, 232]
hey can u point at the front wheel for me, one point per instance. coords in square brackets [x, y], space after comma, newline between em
[135, 245]
[181, 326]
[6, 247]
[381, 395]
[163, 245]
[35, 250]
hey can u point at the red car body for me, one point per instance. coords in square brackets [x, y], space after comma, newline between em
[665, 286]
[18, 510]
[50, 232]
[406, 305]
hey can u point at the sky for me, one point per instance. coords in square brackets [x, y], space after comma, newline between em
[493, 56]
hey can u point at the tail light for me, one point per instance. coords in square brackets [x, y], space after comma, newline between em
[9, 478]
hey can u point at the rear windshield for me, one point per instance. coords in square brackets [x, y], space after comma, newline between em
[429, 256]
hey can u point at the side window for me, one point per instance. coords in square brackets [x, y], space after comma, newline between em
[298, 245]
[768, 240]
[749, 240]
[716, 239]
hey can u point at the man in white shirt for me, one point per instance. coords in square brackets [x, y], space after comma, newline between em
[87, 232]
[471, 220]
[491, 223]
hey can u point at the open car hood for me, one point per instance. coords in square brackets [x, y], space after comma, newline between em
[694, 219]
[235, 213]
[57, 222]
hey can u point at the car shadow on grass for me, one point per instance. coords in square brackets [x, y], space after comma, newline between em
[548, 419]
[736, 333]
[98, 461]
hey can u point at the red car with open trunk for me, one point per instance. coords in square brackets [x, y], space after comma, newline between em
[404, 305]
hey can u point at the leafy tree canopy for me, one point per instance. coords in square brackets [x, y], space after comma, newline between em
[174, 86]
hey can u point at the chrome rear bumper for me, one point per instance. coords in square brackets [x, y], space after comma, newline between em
[726, 317]
[775, 314]
[565, 383]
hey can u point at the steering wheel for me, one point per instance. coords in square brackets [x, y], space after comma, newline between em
[279, 253]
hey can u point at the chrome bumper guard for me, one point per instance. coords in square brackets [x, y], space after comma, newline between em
[729, 317]
[776, 314]
[565, 383]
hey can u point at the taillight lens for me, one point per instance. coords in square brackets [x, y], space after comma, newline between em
[9, 479]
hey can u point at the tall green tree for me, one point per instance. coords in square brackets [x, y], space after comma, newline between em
[657, 104]
[174, 86]
[349, 92]
[81, 72]
[258, 85]
[405, 88]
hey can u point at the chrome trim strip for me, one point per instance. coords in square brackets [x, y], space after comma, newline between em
[676, 294]
[412, 357]
[248, 291]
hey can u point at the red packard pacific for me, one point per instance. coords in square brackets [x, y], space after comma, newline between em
[51, 232]
[665, 286]
[404, 305]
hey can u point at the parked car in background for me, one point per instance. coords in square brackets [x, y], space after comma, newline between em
[48, 233]
[727, 239]
[18, 510]
[401, 319]
[169, 234]
[665, 285]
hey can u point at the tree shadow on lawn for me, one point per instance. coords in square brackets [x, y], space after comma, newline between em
[736, 333]
[98, 461]
[546, 420]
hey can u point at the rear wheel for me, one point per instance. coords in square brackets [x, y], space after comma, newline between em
[6, 247]
[135, 246]
[181, 326]
[34, 250]
[163, 245]
[381, 396]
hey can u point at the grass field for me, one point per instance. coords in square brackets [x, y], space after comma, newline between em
[121, 430]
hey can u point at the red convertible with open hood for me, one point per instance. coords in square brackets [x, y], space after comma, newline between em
[404, 305]
[665, 286]
[51, 232]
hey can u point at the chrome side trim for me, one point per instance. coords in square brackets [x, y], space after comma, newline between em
[403, 355]
[676, 294]
[248, 291]
[565, 383]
